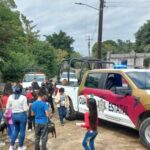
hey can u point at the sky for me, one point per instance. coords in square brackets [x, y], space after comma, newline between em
[122, 19]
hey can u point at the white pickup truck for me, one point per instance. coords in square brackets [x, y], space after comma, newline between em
[33, 76]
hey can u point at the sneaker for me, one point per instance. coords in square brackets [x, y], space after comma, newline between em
[7, 140]
[11, 148]
[2, 144]
[29, 130]
[22, 148]
[17, 140]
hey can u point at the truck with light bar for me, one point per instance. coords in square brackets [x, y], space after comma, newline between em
[122, 95]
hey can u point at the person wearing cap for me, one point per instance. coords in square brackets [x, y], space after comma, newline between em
[18, 104]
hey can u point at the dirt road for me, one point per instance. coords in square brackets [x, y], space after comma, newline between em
[110, 137]
[69, 137]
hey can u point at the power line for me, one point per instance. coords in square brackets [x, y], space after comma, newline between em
[133, 4]
[114, 6]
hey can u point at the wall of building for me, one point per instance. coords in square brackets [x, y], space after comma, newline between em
[133, 59]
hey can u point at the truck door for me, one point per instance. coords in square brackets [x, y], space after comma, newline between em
[93, 86]
[122, 106]
[113, 95]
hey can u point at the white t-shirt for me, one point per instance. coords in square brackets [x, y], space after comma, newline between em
[17, 105]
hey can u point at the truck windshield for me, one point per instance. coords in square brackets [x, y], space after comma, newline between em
[141, 79]
[31, 77]
[70, 75]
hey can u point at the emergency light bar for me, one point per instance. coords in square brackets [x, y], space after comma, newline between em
[120, 66]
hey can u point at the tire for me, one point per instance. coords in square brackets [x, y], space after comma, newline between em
[144, 132]
[71, 114]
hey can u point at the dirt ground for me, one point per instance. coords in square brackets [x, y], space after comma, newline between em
[69, 137]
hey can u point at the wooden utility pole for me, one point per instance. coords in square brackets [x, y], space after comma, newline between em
[100, 29]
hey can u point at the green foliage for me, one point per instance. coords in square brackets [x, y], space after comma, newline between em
[20, 47]
[9, 3]
[107, 46]
[143, 37]
[17, 64]
[75, 54]
[61, 41]
[147, 62]
[125, 46]
[113, 47]
[45, 56]
[29, 29]
[10, 30]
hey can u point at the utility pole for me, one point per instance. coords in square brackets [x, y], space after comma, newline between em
[89, 45]
[100, 29]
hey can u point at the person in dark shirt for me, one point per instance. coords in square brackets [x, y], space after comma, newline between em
[50, 87]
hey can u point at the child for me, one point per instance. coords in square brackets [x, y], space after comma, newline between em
[91, 123]
[10, 126]
[61, 101]
[41, 113]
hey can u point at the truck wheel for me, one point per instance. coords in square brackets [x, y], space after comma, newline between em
[144, 132]
[71, 114]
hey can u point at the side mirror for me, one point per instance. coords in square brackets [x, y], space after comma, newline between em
[125, 91]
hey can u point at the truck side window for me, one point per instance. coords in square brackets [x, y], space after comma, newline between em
[116, 80]
[93, 80]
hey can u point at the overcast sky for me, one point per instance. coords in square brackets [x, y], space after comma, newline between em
[122, 18]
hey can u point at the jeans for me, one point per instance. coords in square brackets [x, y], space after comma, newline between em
[41, 132]
[62, 113]
[89, 137]
[1, 115]
[19, 121]
[10, 130]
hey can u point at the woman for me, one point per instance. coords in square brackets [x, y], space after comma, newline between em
[19, 107]
[7, 91]
[1, 110]
[91, 123]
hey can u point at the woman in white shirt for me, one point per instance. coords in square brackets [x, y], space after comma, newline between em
[18, 104]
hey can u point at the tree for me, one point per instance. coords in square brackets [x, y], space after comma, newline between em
[143, 37]
[20, 48]
[147, 62]
[125, 46]
[61, 41]
[9, 3]
[11, 30]
[45, 56]
[29, 29]
[18, 62]
[61, 55]
[75, 54]
[107, 46]
[114, 47]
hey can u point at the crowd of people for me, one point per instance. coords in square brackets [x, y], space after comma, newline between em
[34, 108]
